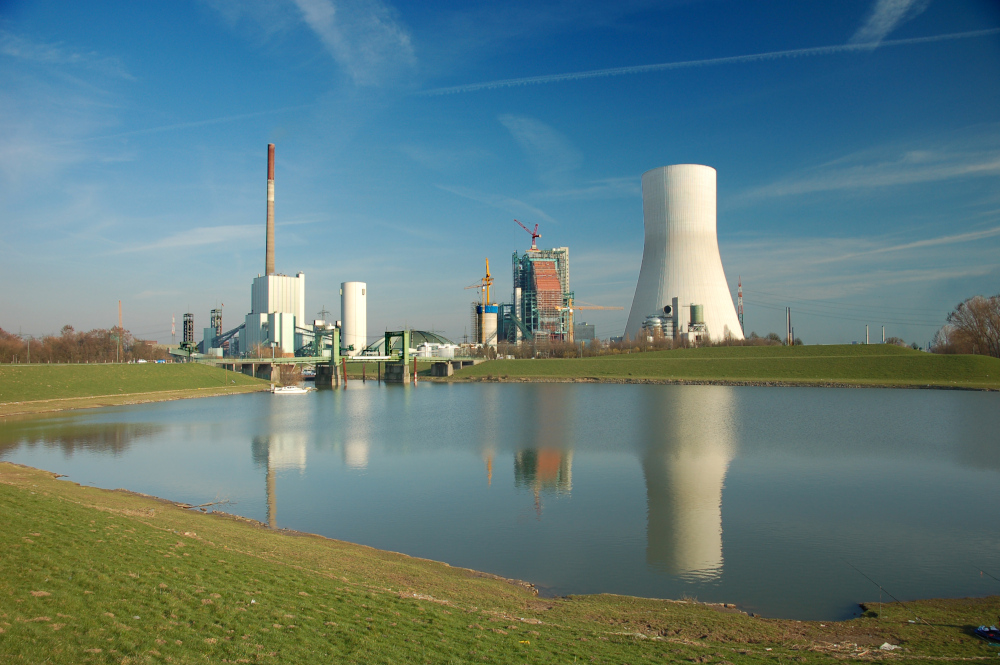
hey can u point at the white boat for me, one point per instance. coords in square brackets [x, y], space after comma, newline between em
[288, 390]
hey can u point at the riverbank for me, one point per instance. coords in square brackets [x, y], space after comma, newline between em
[26, 389]
[91, 575]
[830, 366]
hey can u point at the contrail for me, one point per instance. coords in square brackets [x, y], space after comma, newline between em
[684, 64]
[187, 125]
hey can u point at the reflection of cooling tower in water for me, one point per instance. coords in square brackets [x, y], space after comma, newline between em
[689, 447]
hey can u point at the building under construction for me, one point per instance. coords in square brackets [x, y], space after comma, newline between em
[541, 307]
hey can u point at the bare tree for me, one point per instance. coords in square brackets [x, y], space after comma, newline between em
[973, 327]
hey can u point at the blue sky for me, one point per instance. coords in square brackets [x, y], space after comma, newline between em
[857, 144]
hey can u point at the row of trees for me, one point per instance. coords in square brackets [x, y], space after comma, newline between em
[626, 345]
[973, 327]
[70, 346]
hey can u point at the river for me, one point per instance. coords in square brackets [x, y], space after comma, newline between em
[781, 500]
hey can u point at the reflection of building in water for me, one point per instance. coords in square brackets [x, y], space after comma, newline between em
[278, 452]
[545, 464]
[545, 469]
[689, 447]
[356, 454]
[357, 435]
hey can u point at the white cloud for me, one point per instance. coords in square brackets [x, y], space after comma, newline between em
[22, 48]
[889, 166]
[551, 154]
[198, 237]
[884, 17]
[511, 205]
[365, 37]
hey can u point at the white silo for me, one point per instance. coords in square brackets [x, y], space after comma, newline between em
[680, 257]
[354, 316]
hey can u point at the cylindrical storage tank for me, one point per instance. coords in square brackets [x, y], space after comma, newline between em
[517, 313]
[697, 314]
[354, 316]
[488, 327]
[425, 351]
[446, 351]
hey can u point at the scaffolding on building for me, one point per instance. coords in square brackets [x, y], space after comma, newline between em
[541, 307]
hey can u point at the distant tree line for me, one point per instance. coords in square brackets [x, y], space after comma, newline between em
[595, 347]
[973, 327]
[70, 346]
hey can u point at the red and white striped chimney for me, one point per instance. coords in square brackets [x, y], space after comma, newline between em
[269, 245]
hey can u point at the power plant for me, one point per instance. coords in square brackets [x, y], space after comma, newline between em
[681, 293]
[681, 266]
[276, 325]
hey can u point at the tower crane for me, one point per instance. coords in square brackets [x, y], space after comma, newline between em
[589, 306]
[534, 234]
[484, 286]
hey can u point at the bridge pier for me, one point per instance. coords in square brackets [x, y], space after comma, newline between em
[442, 369]
[327, 375]
[397, 373]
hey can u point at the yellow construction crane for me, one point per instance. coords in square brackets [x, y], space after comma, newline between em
[574, 306]
[484, 285]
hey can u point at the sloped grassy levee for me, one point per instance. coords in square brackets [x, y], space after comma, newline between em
[95, 576]
[874, 365]
[32, 388]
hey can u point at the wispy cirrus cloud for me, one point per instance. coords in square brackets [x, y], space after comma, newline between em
[198, 237]
[873, 279]
[365, 37]
[28, 50]
[954, 239]
[552, 155]
[708, 62]
[604, 188]
[884, 17]
[969, 157]
[500, 202]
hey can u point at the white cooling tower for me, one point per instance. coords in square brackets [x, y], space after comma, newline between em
[680, 257]
[354, 314]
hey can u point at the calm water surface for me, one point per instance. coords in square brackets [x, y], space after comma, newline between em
[765, 497]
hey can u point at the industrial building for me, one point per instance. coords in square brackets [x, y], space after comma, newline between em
[541, 307]
[682, 290]
[277, 302]
[277, 322]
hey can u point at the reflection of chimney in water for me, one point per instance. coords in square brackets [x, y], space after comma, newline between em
[690, 445]
[278, 452]
[272, 504]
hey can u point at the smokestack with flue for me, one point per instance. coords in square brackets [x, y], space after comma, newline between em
[269, 246]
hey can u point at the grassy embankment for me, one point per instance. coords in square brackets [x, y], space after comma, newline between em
[39, 388]
[90, 575]
[855, 365]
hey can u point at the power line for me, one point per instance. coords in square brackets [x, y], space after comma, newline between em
[835, 303]
[847, 317]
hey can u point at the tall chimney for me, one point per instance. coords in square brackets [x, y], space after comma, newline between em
[269, 246]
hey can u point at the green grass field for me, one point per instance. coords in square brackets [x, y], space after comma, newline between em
[25, 383]
[875, 365]
[95, 576]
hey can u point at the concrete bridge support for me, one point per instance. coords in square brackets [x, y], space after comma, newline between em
[397, 373]
[442, 369]
[327, 375]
